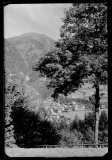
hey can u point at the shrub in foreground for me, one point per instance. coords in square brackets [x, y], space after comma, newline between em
[69, 138]
[12, 92]
[87, 127]
[103, 128]
[30, 130]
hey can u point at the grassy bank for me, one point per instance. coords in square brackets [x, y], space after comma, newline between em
[56, 152]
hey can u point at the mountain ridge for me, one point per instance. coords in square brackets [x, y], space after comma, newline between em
[33, 35]
[13, 59]
[31, 50]
[32, 46]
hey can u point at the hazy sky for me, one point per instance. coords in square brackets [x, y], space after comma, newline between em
[40, 18]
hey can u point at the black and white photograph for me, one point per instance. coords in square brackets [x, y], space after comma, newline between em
[56, 80]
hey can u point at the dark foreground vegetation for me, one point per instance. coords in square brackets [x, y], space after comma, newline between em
[28, 129]
[80, 54]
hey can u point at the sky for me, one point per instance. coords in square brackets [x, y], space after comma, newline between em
[39, 18]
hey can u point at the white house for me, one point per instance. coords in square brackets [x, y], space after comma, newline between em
[83, 107]
[79, 107]
[27, 78]
[59, 110]
[103, 106]
[76, 107]
[62, 108]
[65, 106]
[74, 103]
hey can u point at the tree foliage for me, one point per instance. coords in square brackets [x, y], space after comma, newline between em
[85, 29]
[63, 70]
[81, 51]
[86, 128]
[13, 91]
[25, 127]
[30, 130]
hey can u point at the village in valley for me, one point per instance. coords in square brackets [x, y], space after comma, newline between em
[56, 80]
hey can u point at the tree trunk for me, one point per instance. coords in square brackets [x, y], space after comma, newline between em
[97, 104]
[55, 95]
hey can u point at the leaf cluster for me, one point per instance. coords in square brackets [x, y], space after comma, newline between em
[81, 50]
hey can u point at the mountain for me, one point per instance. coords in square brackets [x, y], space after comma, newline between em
[13, 60]
[32, 46]
[24, 51]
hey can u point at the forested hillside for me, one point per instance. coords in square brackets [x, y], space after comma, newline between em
[32, 46]
[22, 52]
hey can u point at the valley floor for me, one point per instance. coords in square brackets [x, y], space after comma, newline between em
[56, 152]
[80, 113]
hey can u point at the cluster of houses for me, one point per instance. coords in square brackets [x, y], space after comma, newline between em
[67, 107]
[59, 109]
[103, 106]
[78, 106]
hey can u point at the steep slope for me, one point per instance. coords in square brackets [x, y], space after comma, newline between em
[13, 60]
[45, 40]
[32, 46]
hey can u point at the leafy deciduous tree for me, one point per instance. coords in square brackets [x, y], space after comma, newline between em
[81, 52]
